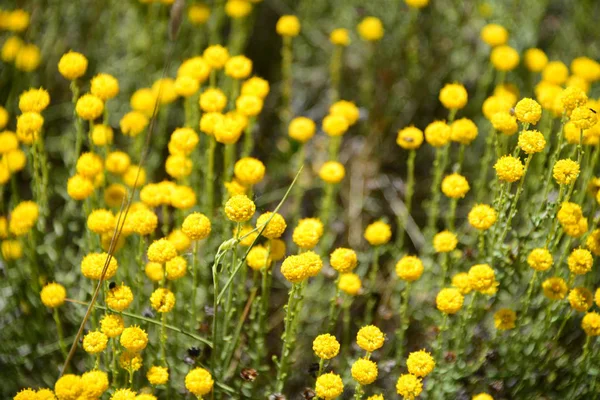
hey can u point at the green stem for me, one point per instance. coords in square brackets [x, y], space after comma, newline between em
[59, 329]
[371, 284]
[404, 322]
[194, 319]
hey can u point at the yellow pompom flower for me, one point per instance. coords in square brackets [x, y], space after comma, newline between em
[494, 35]
[104, 86]
[47, 394]
[370, 29]
[463, 131]
[555, 72]
[565, 171]
[102, 135]
[580, 299]
[68, 386]
[239, 208]
[409, 386]
[195, 67]
[580, 261]
[95, 342]
[11, 48]
[228, 129]
[154, 271]
[212, 100]
[297, 268]
[481, 277]
[584, 117]
[238, 67]
[79, 187]
[535, 60]
[175, 268]
[504, 58]
[256, 86]
[53, 295]
[555, 288]
[591, 324]
[72, 65]
[332, 172]
[119, 297]
[237, 8]
[134, 339]
[288, 25]
[528, 111]
[157, 375]
[569, 213]
[234, 188]
[509, 169]
[89, 107]
[593, 242]
[335, 125]
[437, 133]
[329, 386]
[482, 216]
[420, 363]
[495, 104]
[93, 264]
[540, 259]
[409, 138]
[364, 371]
[27, 394]
[34, 100]
[308, 232]
[28, 57]
[198, 14]
[449, 300]
[504, 319]
[130, 361]
[326, 346]
[29, 127]
[444, 242]
[350, 284]
[183, 197]
[257, 258]
[112, 325]
[455, 186]
[301, 129]
[178, 166]
[461, 282]
[453, 96]
[505, 122]
[249, 171]
[199, 381]
[162, 300]
[133, 123]
[249, 106]
[378, 233]
[215, 56]
[340, 37]
[531, 142]
[101, 221]
[183, 141]
[162, 250]
[343, 260]
[482, 396]
[186, 86]
[571, 98]
[370, 338]
[416, 3]
[278, 249]
[11, 250]
[274, 228]
[89, 165]
[346, 109]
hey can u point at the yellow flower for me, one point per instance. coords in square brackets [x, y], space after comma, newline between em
[198, 14]
[378, 233]
[580, 298]
[199, 381]
[183, 141]
[274, 228]
[370, 29]
[335, 125]
[8, 142]
[495, 104]
[186, 86]
[308, 232]
[449, 300]
[101, 221]
[409, 386]
[183, 197]
[535, 60]
[297, 268]
[580, 261]
[416, 3]
[256, 86]
[104, 86]
[278, 249]
[235, 188]
[409, 138]
[569, 213]
[238, 67]
[482, 396]
[157, 375]
[178, 166]
[26, 394]
[350, 283]
[215, 56]
[482, 216]
[528, 111]
[455, 186]
[326, 346]
[112, 325]
[154, 271]
[461, 282]
[593, 242]
[79, 187]
[555, 288]
[531, 142]
[565, 171]
[583, 117]
[329, 386]
[212, 100]
[249, 171]
[370, 338]
[420, 363]
[130, 361]
[29, 127]
[53, 295]
[504, 319]
[34, 100]
[343, 260]
[586, 68]
[494, 34]
[11, 250]
[134, 338]
[288, 25]
[555, 72]
[162, 250]
[540, 259]
[195, 67]
[509, 169]
[249, 106]
[571, 98]
[237, 8]
[133, 123]
[504, 58]
[437, 133]
[340, 37]
[119, 297]
[506, 123]
[11, 48]
[364, 371]
[68, 386]
[162, 300]
[89, 107]
[257, 258]
[453, 96]
[239, 208]
[301, 129]
[444, 242]
[481, 277]
[346, 109]
[176, 268]
[102, 135]
[95, 342]
[591, 324]
[28, 57]
[93, 264]
[332, 172]
[463, 131]
[72, 65]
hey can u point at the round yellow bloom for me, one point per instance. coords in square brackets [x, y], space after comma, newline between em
[531, 142]
[158, 375]
[494, 34]
[11, 48]
[580, 261]
[112, 325]
[95, 342]
[175, 268]
[178, 166]
[186, 86]
[409, 386]
[89, 107]
[288, 25]
[581, 299]
[332, 172]
[102, 135]
[130, 361]
[301, 129]
[274, 228]
[528, 111]
[343, 260]
[481, 277]
[308, 232]
[495, 104]
[195, 67]
[506, 123]
[237, 8]
[584, 117]
[119, 297]
[15, 161]
[183, 197]
[8, 142]
[53, 295]
[133, 123]
[453, 96]
[420, 363]
[463, 131]
[504, 319]
[183, 141]
[297, 268]
[455, 186]
[278, 249]
[239, 208]
[47, 394]
[461, 282]
[326, 346]
[216, 56]
[68, 387]
[162, 250]
[370, 29]
[370, 338]
[227, 130]
[79, 187]
[364, 371]
[335, 125]
[93, 264]
[198, 14]
[29, 127]
[350, 283]
[104, 86]
[101, 221]
[565, 171]
[249, 106]
[162, 300]
[329, 386]
[555, 72]
[11, 250]
[212, 100]
[555, 288]
[256, 86]
[72, 65]
[27, 394]
[504, 58]
[540, 259]
[482, 396]
[134, 338]
[416, 3]
[569, 213]
[28, 57]
[509, 169]
[437, 133]
[535, 60]
[34, 100]
[409, 138]
[164, 91]
[257, 258]
[249, 171]
[89, 165]
[449, 300]
[571, 98]
[586, 68]
[154, 271]
[340, 37]
[238, 67]
[444, 242]
[482, 216]
[593, 242]
[591, 324]
[378, 233]
[346, 109]
[199, 381]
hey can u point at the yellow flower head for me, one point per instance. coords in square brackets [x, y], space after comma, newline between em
[370, 29]
[249, 106]
[332, 172]
[540, 259]
[569, 213]
[584, 117]
[79, 187]
[28, 57]
[409, 138]
[176, 268]
[119, 297]
[104, 86]
[101, 221]
[571, 98]
[343, 260]
[89, 107]
[482, 216]
[335, 125]
[130, 361]
[495, 104]
[370, 338]
[378, 233]
[463, 131]
[444, 242]
[95, 383]
[278, 249]
[455, 186]
[580, 261]
[238, 67]
[162, 250]
[256, 86]
[481, 277]
[199, 381]
[196, 226]
[72, 65]
[329, 386]
[183, 141]
[416, 3]
[158, 375]
[555, 288]
[449, 300]
[288, 25]
[531, 142]
[112, 325]
[504, 319]
[437, 133]
[237, 8]
[301, 129]
[593, 242]
[195, 67]
[494, 35]
[505, 122]
[528, 111]
[509, 169]
[162, 300]
[53, 295]
[409, 386]
[555, 72]
[326, 346]
[409, 268]
[308, 232]
[133, 123]
[565, 171]
[591, 324]
[29, 127]
[183, 197]
[346, 109]
[453, 96]
[11, 48]
[239, 208]
[216, 56]
[249, 171]
[586, 68]
[95, 342]
[461, 282]
[482, 396]
[93, 264]
[535, 60]
[212, 100]
[68, 386]
[581, 299]
[11, 249]
[420, 363]
[134, 338]
[364, 371]
[257, 258]
[504, 58]
[297, 268]
[198, 14]
[340, 37]
[27, 394]
[350, 283]
[102, 135]
[34, 100]
[274, 228]
[154, 271]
